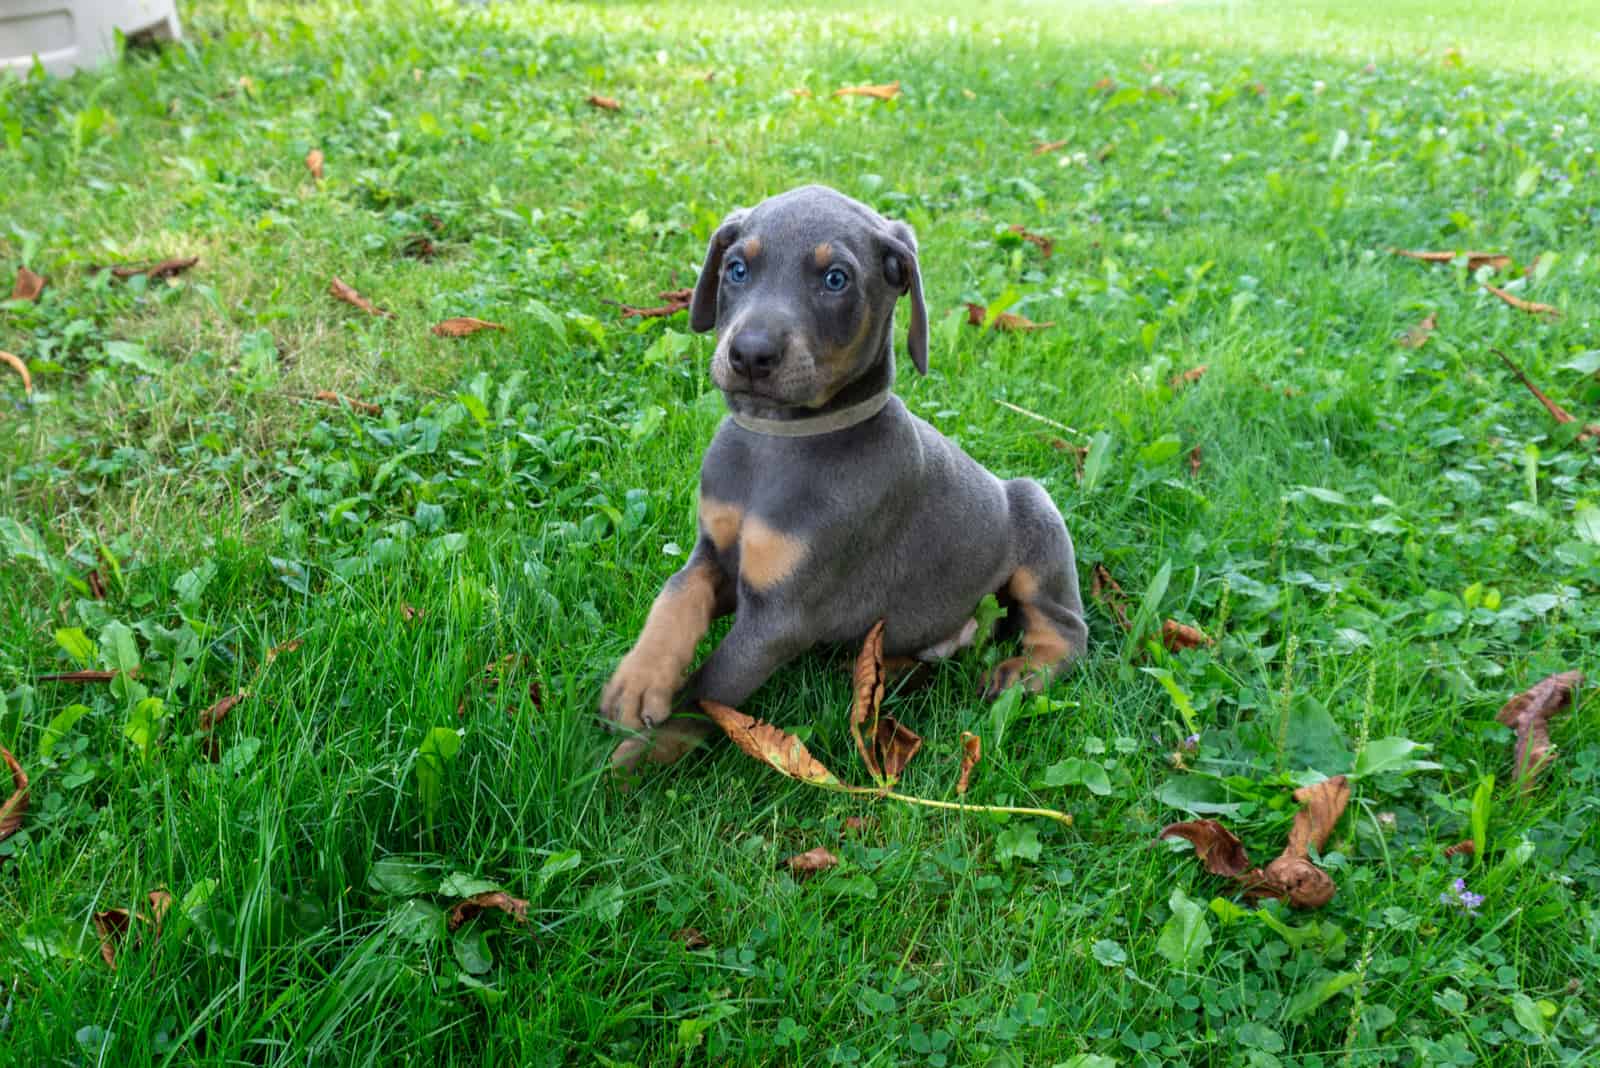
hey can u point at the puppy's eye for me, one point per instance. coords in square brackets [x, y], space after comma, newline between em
[736, 271]
[835, 280]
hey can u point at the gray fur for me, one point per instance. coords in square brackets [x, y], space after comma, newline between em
[891, 519]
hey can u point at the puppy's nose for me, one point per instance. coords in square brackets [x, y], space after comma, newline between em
[754, 352]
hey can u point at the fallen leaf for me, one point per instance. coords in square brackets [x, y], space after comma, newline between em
[1214, 846]
[854, 825]
[1322, 805]
[1497, 260]
[16, 364]
[811, 860]
[605, 103]
[971, 753]
[877, 92]
[160, 905]
[314, 163]
[327, 396]
[1529, 714]
[1104, 588]
[514, 907]
[1296, 880]
[1418, 335]
[867, 686]
[1529, 306]
[291, 646]
[1194, 462]
[690, 938]
[1189, 377]
[419, 247]
[343, 292]
[977, 315]
[1560, 414]
[677, 300]
[219, 711]
[770, 745]
[896, 745]
[80, 676]
[1044, 244]
[155, 272]
[464, 326]
[1041, 148]
[1104, 85]
[28, 287]
[113, 925]
[410, 614]
[1465, 846]
[16, 806]
[1179, 636]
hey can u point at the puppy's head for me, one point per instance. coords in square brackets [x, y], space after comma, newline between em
[801, 290]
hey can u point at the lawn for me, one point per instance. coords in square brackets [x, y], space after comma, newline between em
[417, 558]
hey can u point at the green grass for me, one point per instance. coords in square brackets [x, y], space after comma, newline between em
[1388, 542]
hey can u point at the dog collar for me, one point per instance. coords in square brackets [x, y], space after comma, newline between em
[813, 425]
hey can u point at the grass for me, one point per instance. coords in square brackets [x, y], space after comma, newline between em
[1387, 542]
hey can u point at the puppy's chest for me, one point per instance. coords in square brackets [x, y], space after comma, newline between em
[767, 556]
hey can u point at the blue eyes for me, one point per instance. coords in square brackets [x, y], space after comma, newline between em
[835, 280]
[737, 271]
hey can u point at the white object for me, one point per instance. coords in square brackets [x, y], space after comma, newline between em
[69, 35]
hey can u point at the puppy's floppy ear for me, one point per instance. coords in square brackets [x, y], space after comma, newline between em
[703, 308]
[902, 270]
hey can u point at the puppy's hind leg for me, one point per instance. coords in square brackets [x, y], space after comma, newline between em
[1044, 589]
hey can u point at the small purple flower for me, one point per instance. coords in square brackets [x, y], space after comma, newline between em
[1459, 896]
[1192, 742]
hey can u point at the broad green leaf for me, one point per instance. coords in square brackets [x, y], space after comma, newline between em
[1587, 522]
[490, 996]
[117, 644]
[1087, 1060]
[1180, 697]
[1391, 756]
[1526, 1010]
[58, 727]
[1482, 804]
[417, 921]
[475, 408]
[460, 884]
[470, 944]
[1186, 934]
[77, 645]
[1076, 771]
[439, 747]
[1161, 450]
[1019, 842]
[1094, 464]
[403, 878]
[1303, 1003]
[144, 724]
[1199, 795]
[1001, 714]
[557, 864]
[1585, 363]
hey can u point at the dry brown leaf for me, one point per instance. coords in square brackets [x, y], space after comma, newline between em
[1560, 414]
[677, 300]
[1104, 588]
[855, 825]
[514, 907]
[112, 926]
[97, 585]
[1104, 85]
[1418, 335]
[977, 315]
[1529, 714]
[1529, 306]
[1214, 845]
[344, 292]
[605, 103]
[1465, 846]
[1322, 805]
[16, 364]
[1041, 148]
[314, 163]
[156, 272]
[770, 745]
[896, 745]
[219, 711]
[1044, 244]
[81, 676]
[464, 326]
[811, 860]
[867, 686]
[16, 806]
[1195, 461]
[28, 287]
[1497, 260]
[291, 646]
[690, 938]
[1296, 880]
[877, 92]
[1189, 377]
[971, 753]
[1179, 636]
[419, 247]
[327, 396]
[410, 614]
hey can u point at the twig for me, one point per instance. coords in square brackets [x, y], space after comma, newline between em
[1035, 415]
[1560, 413]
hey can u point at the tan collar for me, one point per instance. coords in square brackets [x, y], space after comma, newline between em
[812, 425]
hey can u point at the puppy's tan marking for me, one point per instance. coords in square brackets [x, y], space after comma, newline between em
[822, 255]
[640, 693]
[720, 522]
[839, 362]
[1042, 644]
[752, 247]
[767, 556]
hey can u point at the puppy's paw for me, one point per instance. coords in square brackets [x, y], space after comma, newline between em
[640, 693]
[1008, 673]
[672, 742]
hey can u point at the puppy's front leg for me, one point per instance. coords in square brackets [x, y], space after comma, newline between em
[640, 693]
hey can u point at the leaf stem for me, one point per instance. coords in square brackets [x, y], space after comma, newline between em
[1062, 818]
